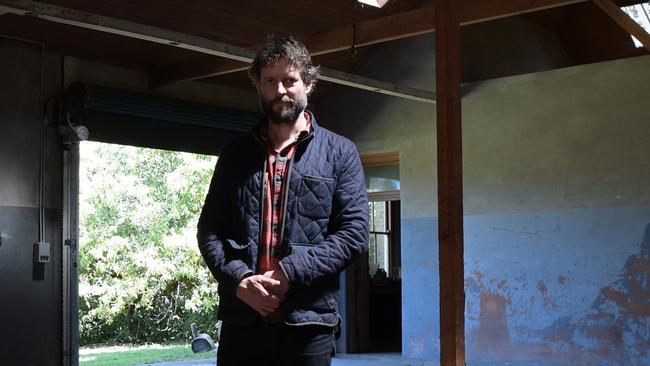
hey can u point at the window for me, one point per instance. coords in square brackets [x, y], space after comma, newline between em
[379, 244]
[383, 183]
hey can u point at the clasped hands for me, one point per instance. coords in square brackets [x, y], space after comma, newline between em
[265, 292]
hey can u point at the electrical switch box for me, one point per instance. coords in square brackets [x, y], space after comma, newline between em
[42, 252]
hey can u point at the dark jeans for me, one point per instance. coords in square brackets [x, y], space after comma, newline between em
[275, 344]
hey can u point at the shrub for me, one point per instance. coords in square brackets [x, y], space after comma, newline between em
[141, 277]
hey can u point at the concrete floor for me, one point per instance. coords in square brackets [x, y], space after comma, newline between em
[366, 359]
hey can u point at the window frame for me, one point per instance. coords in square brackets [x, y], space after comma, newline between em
[375, 161]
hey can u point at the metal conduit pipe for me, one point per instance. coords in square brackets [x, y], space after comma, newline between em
[41, 163]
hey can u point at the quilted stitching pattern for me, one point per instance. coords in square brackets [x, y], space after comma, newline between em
[325, 223]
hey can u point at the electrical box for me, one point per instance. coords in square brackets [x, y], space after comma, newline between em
[42, 252]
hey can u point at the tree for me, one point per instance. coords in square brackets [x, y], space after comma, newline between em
[141, 275]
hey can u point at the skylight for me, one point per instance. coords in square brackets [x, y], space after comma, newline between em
[640, 13]
[375, 3]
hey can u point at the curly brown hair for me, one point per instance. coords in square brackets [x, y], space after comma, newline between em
[290, 49]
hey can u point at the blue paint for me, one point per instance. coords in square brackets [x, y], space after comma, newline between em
[551, 269]
[420, 289]
[534, 287]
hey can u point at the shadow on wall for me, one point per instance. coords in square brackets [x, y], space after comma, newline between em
[615, 330]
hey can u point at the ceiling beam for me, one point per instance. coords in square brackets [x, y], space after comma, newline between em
[121, 27]
[407, 24]
[627, 23]
[376, 86]
[368, 32]
[189, 42]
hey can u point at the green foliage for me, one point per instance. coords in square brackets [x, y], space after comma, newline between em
[141, 275]
[148, 354]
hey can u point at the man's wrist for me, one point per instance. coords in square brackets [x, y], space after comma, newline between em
[284, 273]
[246, 275]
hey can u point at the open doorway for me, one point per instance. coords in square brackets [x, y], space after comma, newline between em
[373, 288]
[142, 280]
[384, 278]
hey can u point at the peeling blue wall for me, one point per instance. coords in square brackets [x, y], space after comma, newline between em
[559, 287]
[556, 176]
[420, 283]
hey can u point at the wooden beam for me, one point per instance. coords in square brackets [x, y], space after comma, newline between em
[359, 82]
[188, 71]
[380, 159]
[625, 21]
[478, 11]
[364, 33]
[189, 42]
[369, 32]
[450, 182]
[384, 196]
[124, 28]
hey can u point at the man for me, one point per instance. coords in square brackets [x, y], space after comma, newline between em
[286, 213]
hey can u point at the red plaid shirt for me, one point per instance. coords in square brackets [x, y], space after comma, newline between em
[275, 185]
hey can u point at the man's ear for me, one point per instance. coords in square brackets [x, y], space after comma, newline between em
[309, 87]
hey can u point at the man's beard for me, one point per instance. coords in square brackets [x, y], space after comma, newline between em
[287, 113]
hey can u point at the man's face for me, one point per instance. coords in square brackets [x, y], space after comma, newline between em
[283, 94]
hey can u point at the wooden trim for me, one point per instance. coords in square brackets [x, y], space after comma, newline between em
[450, 182]
[196, 69]
[189, 42]
[380, 159]
[381, 87]
[187, 72]
[627, 23]
[384, 196]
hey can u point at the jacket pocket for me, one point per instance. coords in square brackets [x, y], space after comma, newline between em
[315, 196]
[235, 250]
[295, 247]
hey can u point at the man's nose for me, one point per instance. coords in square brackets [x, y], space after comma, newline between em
[280, 89]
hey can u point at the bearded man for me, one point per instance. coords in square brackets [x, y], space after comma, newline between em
[286, 213]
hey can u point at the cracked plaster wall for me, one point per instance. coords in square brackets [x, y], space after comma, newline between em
[557, 205]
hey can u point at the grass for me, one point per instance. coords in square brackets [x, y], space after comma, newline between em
[139, 355]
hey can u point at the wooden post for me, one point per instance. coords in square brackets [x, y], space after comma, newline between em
[450, 183]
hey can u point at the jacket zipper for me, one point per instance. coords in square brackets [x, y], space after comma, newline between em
[286, 192]
[284, 214]
[261, 198]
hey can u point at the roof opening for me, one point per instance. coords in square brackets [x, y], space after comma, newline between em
[640, 13]
[375, 3]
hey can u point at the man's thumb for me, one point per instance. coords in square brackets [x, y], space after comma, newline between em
[270, 282]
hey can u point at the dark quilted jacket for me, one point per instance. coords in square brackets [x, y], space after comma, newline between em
[325, 224]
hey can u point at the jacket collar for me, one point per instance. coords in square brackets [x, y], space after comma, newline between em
[257, 129]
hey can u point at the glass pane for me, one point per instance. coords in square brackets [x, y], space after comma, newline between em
[380, 216]
[371, 212]
[372, 254]
[382, 179]
[382, 252]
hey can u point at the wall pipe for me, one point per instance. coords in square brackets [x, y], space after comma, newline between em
[41, 162]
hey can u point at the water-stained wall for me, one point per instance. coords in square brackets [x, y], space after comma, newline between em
[557, 207]
[31, 306]
[558, 212]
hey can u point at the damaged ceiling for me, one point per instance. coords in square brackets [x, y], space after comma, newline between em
[340, 33]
